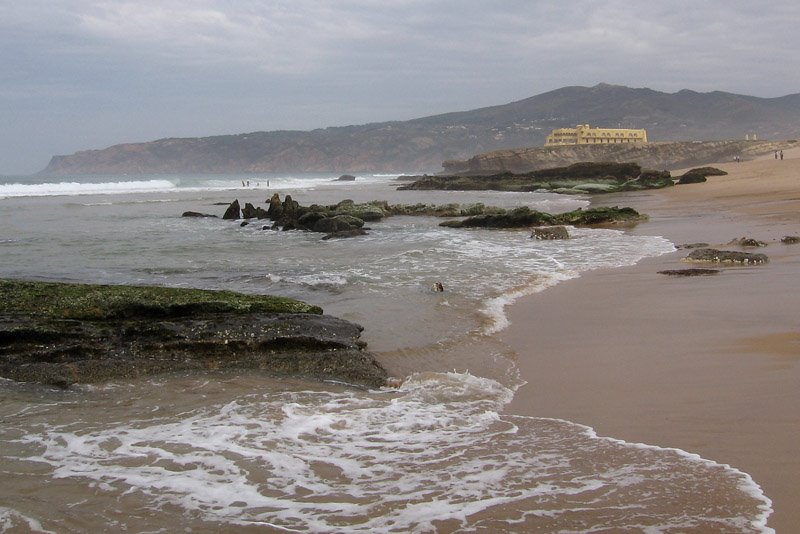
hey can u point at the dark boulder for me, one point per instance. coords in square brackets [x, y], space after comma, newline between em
[233, 212]
[249, 211]
[338, 223]
[197, 214]
[691, 178]
[711, 255]
[275, 210]
[346, 178]
[747, 242]
[790, 240]
[346, 233]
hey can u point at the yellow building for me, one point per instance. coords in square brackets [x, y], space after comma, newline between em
[582, 134]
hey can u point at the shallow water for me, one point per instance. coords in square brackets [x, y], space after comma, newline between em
[219, 451]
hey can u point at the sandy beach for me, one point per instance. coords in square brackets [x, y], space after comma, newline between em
[707, 364]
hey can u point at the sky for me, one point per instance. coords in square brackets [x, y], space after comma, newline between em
[88, 74]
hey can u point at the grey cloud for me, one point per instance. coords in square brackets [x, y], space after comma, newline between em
[84, 74]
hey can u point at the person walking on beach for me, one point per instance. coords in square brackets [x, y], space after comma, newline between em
[776, 154]
[781, 155]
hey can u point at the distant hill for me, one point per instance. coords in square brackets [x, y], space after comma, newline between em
[421, 145]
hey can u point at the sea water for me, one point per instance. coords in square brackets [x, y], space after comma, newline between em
[244, 451]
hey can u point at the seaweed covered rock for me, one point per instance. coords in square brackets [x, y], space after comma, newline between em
[517, 218]
[61, 334]
[699, 175]
[711, 255]
[524, 217]
[584, 177]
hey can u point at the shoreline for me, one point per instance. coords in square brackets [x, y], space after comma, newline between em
[704, 364]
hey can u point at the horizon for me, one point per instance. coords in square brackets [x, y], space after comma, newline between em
[85, 75]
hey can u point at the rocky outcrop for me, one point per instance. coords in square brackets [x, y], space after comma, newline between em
[790, 239]
[711, 255]
[233, 212]
[60, 334]
[747, 242]
[524, 217]
[660, 155]
[697, 176]
[197, 214]
[583, 177]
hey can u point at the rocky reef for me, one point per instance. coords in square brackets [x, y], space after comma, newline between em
[525, 217]
[578, 178]
[60, 334]
[711, 255]
[658, 155]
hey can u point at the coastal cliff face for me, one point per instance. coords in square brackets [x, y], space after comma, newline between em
[421, 145]
[668, 156]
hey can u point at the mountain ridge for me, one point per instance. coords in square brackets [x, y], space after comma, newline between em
[423, 144]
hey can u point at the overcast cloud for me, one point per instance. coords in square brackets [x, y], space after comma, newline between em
[86, 74]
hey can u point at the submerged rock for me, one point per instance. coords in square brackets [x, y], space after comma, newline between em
[550, 232]
[689, 272]
[61, 334]
[524, 217]
[790, 239]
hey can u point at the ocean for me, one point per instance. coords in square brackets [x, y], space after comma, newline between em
[247, 452]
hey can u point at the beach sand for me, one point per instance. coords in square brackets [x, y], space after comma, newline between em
[707, 364]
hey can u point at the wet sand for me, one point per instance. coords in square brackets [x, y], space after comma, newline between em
[707, 364]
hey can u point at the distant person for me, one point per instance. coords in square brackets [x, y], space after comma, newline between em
[781, 154]
[776, 154]
[243, 180]
[438, 287]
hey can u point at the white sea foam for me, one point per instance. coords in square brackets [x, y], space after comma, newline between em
[436, 450]
[12, 520]
[84, 188]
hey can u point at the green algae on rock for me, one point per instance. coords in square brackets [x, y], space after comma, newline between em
[60, 334]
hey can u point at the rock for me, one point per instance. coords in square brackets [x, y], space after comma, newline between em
[691, 178]
[249, 211]
[369, 211]
[747, 242]
[524, 217]
[338, 223]
[689, 272]
[197, 214]
[275, 210]
[244, 223]
[61, 334]
[595, 177]
[790, 240]
[346, 178]
[355, 232]
[692, 245]
[550, 232]
[725, 256]
[517, 218]
[708, 171]
[233, 211]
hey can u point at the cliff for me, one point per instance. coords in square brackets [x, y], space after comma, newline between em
[421, 145]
